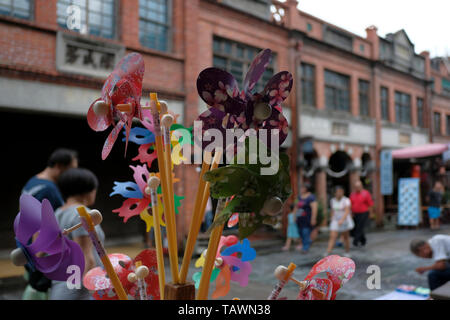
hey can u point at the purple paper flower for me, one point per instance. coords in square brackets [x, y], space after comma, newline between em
[229, 108]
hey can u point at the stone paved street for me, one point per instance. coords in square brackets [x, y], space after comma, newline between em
[387, 249]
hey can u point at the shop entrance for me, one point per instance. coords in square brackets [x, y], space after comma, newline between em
[338, 172]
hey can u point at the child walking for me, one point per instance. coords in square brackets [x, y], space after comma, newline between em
[292, 231]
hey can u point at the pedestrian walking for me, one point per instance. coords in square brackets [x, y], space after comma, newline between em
[306, 216]
[362, 203]
[438, 249]
[292, 230]
[341, 220]
[43, 186]
[434, 204]
[79, 188]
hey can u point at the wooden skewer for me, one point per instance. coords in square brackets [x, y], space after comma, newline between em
[139, 275]
[102, 108]
[90, 228]
[213, 244]
[153, 183]
[126, 107]
[170, 218]
[282, 271]
[166, 122]
[280, 285]
[199, 211]
[96, 217]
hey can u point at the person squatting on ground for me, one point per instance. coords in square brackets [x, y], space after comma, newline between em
[434, 204]
[438, 249]
[306, 216]
[341, 220]
[79, 188]
[361, 204]
[43, 186]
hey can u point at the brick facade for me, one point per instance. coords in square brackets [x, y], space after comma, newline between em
[28, 52]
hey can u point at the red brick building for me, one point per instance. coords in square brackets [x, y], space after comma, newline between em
[353, 96]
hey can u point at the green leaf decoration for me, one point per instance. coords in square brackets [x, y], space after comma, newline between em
[250, 188]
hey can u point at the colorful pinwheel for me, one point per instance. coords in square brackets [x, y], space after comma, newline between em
[339, 270]
[145, 138]
[138, 200]
[121, 95]
[228, 267]
[231, 109]
[51, 253]
[97, 280]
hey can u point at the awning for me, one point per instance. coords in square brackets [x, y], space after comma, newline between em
[425, 150]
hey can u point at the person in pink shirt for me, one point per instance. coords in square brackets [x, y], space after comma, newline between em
[361, 203]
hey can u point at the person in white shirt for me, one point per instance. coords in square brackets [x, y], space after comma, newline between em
[341, 221]
[438, 249]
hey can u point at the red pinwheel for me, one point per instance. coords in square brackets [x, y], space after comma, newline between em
[51, 253]
[231, 109]
[121, 95]
[97, 280]
[339, 270]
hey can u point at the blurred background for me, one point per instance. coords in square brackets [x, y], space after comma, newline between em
[357, 91]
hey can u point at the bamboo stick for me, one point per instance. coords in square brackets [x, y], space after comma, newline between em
[202, 293]
[153, 183]
[169, 216]
[199, 212]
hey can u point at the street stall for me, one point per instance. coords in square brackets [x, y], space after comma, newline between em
[407, 176]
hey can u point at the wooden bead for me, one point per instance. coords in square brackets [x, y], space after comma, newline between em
[167, 120]
[18, 257]
[153, 182]
[132, 277]
[262, 111]
[273, 206]
[100, 108]
[142, 272]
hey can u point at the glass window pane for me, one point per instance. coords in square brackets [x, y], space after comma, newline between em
[95, 5]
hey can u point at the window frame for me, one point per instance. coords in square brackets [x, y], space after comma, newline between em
[336, 90]
[31, 11]
[447, 124]
[245, 61]
[311, 80]
[114, 16]
[384, 109]
[401, 107]
[168, 25]
[365, 93]
[439, 126]
[420, 112]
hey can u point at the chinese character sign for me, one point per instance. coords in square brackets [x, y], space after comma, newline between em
[386, 176]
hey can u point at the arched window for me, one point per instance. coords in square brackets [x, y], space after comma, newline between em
[154, 24]
[94, 17]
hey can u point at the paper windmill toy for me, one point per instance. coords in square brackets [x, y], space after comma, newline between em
[257, 198]
[51, 253]
[120, 100]
[138, 200]
[339, 270]
[96, 279]
[228, 267]
[145, 138]
[229, 108]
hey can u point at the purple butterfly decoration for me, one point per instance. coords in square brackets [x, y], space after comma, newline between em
[51, 253]
[228, 108]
